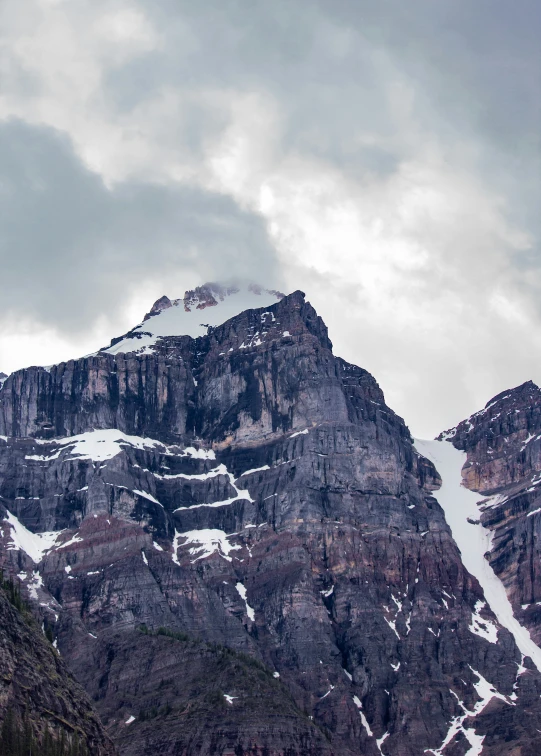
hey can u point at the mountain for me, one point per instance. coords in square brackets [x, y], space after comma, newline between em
[239, 549]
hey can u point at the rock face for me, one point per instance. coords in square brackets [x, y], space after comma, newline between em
[503, 445]
[197, 697]
[37, 688]
[237, 548]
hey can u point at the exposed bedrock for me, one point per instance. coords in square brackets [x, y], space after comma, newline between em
[240, 516]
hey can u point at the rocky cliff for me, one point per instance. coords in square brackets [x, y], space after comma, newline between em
[238, 550]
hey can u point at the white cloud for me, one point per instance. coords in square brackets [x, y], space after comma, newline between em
[413, 266]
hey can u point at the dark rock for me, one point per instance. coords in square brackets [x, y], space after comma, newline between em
[163, 303]
[323, 556]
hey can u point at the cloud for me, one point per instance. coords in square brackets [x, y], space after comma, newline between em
[72, 250]
[383, 157]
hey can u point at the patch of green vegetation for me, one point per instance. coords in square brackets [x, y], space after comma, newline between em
[184, 637]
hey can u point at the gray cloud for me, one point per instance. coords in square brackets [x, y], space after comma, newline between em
[475, 69]
[398, 142]
[71, 249]
[475, 63]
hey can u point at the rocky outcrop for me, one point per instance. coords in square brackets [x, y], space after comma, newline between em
[210, 294]
[207, 295]
[503, 441]
[247, 489]
[163, 303]
[36, 687]
[503, 445]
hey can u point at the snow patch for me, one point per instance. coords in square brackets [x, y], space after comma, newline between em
[206, 542]
[214, 473]
[300, 433]
[97, 445]
[392, 625]
[254, 470]
[397, 602]
[484, 628]
[35, 583]
[240, 493]
[33, 544]
[242, 592]
[474, 541]
[191, 451]
[148, 496]
[531, 436]
[72, 540]
[486, 693]
[366, 726]
[327, 693]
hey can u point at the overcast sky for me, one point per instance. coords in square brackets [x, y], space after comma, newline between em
[384, 157]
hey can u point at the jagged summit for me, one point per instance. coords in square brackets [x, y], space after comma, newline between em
[503, 403]
[184, 316]
[525, 392]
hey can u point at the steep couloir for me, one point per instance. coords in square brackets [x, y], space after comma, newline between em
[503, 447]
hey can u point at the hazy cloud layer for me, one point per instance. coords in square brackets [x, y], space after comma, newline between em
[73, 249]
[384, 157]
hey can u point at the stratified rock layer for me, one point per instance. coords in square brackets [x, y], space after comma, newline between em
[258, 495]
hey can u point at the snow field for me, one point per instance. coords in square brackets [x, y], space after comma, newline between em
[177, 321]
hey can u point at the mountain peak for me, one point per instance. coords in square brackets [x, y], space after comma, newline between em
[182, 316]
[504, 402]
